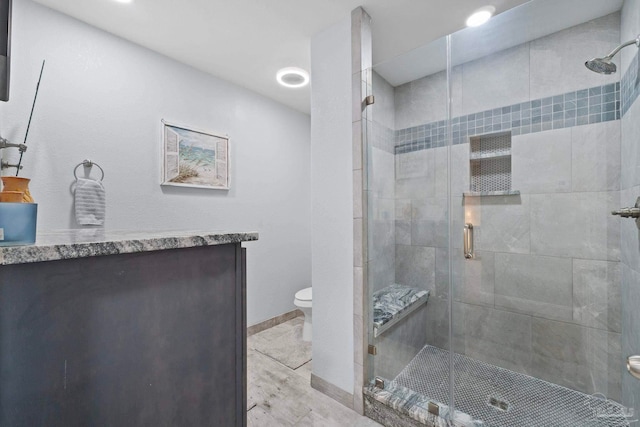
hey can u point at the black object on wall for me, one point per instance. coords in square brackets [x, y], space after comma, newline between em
[5, 48]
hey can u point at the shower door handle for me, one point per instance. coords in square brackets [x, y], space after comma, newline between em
[468, 241]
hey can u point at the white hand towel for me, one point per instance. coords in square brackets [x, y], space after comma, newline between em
[90, 202]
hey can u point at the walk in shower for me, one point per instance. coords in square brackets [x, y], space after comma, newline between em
[501, 286]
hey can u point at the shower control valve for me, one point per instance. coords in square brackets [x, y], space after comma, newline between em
[633, 212]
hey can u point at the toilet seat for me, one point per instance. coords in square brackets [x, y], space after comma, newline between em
[304, 294]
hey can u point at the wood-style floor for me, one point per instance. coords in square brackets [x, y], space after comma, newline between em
[279, 390]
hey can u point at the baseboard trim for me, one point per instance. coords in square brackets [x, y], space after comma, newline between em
[270, 323]
[334, 392]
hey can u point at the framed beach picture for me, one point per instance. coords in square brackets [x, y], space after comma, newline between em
[194, 158]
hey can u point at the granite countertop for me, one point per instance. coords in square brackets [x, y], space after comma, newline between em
[82, 243]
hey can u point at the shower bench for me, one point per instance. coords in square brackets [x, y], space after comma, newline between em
[394, 303]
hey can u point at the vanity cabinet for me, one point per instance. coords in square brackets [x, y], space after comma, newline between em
[134, 337]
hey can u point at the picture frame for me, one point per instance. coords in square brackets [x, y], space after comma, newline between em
[194, 158]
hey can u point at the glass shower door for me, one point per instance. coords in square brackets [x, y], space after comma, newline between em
[408, 232]
[536, 141]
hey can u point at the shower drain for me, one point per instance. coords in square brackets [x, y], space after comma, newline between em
[499, 404]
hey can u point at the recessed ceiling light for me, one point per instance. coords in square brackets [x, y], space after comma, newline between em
[123, 1]
[480, 16]
[292, 77]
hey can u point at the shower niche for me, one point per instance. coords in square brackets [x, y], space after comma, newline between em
[490, 165]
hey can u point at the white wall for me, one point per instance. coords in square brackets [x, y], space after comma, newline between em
[332, 205]
[102, 98]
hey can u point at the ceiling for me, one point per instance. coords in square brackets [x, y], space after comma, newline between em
[519, 25]
[247, 41]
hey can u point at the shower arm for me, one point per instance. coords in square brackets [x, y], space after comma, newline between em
[613, 53]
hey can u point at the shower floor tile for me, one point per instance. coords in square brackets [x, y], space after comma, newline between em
[503, 398]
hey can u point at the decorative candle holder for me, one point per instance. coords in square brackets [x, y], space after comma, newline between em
[17, 183]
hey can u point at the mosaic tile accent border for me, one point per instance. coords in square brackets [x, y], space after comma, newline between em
[581, 107]
[630, 84]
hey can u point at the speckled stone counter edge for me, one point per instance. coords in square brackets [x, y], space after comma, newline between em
[70, 244]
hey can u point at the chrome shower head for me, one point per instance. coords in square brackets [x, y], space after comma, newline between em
[604, 65]
[601, 65]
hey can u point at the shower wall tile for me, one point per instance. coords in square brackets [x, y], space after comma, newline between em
[403, 210]
[381, 137]
[629, 233]
[357, 194]
[356, 135]
[381, 209]
[629, 58]
[630, 335]
[474, 280]
[403, 232]
[359, 253]
[575, 225]
[358, 93]
[382, 236]
[381, 271]
[571, 355]
[457, 222]
[557, 60]
[596, 294]
[404, 115]
[615, 367]
[457, 107]
[398, 345]
[629, 29]
[438, 321]
[595, 157]
[441, 171]
[381, 182]
[498, 337]
[403, 221]
[358, 297]
[630, 149]
[472, 210]
[413, 188]
[442, 273]
[421, 101]
[383, 110]
[430, 226]
[503, 224]
[415, 174]
[541, 162]
[536, 285]
[415, 266]
[460, 171]
[496, 80]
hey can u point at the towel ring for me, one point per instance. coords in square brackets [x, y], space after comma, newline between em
[87, 164]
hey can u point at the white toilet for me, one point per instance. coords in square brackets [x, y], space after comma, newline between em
[303, 302]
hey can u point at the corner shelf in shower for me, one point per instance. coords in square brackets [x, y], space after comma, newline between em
[394, 303]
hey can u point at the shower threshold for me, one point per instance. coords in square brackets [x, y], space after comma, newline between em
[491, 396]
